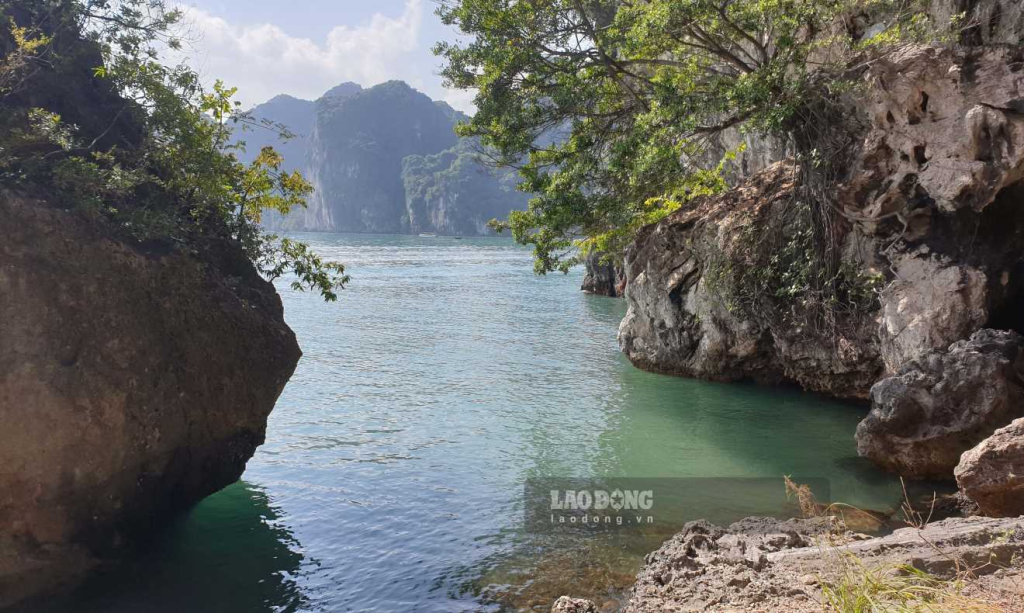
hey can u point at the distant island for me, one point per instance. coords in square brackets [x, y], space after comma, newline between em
[384, 160]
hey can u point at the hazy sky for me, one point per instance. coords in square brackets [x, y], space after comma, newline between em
[305, 47]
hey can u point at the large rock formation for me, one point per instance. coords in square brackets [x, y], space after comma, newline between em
[453, 192]
[356, 152]
[603, 277]
[992, 474]
[931, 218]
[943, 403]
[134, 379]
[682, 318]
[262, 128]
[384, 159]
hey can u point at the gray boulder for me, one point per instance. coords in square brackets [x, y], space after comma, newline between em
[603, 277]
[943, 403]
[992, 474]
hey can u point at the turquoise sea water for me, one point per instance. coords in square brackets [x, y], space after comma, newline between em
[447, 375]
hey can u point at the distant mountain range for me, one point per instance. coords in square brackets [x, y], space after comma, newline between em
[384, 159]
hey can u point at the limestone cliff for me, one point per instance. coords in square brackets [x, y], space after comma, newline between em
[931, 219]
[134, 379]
[455, 193]
[136, 374]
[603, 276]
[384, 159]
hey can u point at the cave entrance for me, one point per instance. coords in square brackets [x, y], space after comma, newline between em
[1001, 232]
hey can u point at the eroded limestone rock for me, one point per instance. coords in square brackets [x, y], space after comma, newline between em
[930, 304]
[565, 604]
[681, 319]
[992, 474]
[931, 208]
[603, 277]
[762, 564]
[943, 403]
[946, 128]
[134, 380]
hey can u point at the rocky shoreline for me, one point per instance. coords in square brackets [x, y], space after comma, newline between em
[763, 564]
[931, 212]
[137, 371]
[136, 380]
[925, 325]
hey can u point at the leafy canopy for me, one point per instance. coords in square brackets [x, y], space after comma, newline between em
[632, 93]
[180, 179]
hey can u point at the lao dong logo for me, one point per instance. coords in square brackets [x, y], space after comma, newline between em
[601, 507]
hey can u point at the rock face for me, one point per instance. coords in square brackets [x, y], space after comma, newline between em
[602, 277]
[943, 403]
[384, 159]
[295, 114]
[992, 474]
[761, 564]
[681, 321]
[454, 193]
[133, 380]
[986, 21]
[356, 152]
[932, 213]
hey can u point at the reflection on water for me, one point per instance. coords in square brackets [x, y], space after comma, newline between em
[230, 553]
[446, 376]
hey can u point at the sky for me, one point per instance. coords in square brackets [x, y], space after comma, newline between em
[305, 47]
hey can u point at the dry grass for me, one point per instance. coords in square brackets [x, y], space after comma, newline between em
[860, 588]
[851, 585]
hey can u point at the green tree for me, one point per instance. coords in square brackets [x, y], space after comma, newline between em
[173, 172]
[634, 91]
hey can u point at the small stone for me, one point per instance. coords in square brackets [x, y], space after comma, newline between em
[565, 604]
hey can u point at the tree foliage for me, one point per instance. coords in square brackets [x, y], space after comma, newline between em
[637, 91]
[160, 163]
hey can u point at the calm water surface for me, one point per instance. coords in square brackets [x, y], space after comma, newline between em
[448, 374]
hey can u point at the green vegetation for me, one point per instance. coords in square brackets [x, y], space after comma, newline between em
[850, 584]
[898, 588]
[92, 116]
[455, 192]
[359, 142]
[638, 92]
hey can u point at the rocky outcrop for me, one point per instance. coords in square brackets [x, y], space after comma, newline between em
[134, 379]
[384, 159]
[455, 193]
[944, 156]
[930, 212]
[992, 474]
[984, 21]
[943, 403]
[683, 318]
[356, 151]
[705, 566]
[761, 564]
[603, 277]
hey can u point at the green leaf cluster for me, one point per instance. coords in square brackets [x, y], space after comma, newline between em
[611, 108]
[160, 162]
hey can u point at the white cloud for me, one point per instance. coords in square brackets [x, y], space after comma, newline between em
[460, 99]
[262, 60]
